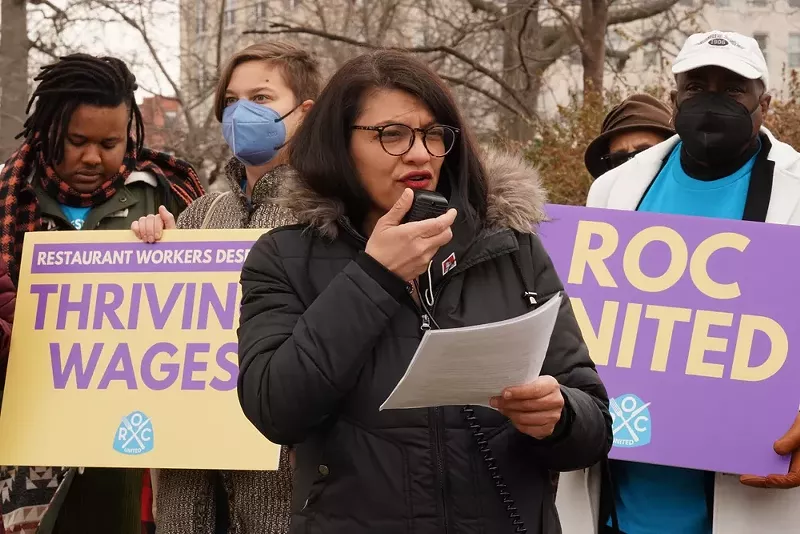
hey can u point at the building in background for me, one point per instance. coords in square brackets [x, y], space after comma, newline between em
[775, 24]
[210, 31]
[162, 125]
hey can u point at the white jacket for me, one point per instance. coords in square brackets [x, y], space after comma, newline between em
[738, 509]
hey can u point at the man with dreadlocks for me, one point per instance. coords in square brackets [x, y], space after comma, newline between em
[82, 165]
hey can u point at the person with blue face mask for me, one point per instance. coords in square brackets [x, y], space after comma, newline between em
[254, 132]
[263, 95]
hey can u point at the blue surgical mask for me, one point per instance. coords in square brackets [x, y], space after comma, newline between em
[254, 132]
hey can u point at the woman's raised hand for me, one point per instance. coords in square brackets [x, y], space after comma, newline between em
[407, 249]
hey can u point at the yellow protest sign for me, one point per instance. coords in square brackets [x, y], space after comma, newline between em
[124, 354]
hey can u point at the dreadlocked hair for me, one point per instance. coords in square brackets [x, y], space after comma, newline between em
[74, 80]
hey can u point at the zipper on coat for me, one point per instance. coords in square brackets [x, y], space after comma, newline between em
[425, 322]
[439, 453]
[424, 317]
[435, 415]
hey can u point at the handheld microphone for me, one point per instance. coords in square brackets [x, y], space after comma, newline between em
[426, 205]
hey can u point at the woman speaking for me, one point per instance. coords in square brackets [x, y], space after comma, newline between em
[334, 308]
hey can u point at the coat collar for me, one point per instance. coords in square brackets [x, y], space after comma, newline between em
[516, 198]
[634, 177]
[267, 186]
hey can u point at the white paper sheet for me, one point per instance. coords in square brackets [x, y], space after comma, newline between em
[470, 365]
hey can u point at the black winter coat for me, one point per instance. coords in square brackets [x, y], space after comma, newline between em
[326, 333]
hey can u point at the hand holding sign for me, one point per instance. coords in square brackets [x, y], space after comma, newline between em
[534, 408]
[151, 228]
[788, 444]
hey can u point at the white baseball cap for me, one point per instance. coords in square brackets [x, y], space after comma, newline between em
[728, 50]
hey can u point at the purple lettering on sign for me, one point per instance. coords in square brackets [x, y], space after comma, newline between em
[227, 366]
[133, 312]
[43, 291]
[190, 366]
[171, 369]
[108, 309]
[201, 256]
[66, 306]
[160, 315]
[188, 307]
[119, 368]
[692, 324]
[210, 299]
[74, 364]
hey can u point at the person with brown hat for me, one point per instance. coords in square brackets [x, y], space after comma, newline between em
[638, 123]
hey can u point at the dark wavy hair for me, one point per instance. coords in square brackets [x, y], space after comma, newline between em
[320, 149]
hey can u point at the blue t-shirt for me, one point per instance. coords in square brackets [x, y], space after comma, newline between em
[654, 499]
[674, 191]
[75, 216]
[657, 499]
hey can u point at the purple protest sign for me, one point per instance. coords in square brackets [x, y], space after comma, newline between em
[692, 324]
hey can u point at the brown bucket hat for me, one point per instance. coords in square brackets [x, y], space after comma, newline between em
[638, 112]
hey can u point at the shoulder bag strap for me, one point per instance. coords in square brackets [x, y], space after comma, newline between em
[210, 211]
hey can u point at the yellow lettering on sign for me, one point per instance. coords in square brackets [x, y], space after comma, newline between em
[679, 257]
[583, 256]
[698, 268]
[599, 342]
[630, 329]
[666, 316]
[701, 343]
[779, 349]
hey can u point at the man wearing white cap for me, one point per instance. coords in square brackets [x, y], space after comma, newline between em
[722, 163]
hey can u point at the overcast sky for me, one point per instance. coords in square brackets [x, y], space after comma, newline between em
[121, 40]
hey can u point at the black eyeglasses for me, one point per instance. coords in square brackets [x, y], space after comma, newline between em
[615, 159]
[397, 139]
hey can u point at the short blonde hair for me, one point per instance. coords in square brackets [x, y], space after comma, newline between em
[300, 69]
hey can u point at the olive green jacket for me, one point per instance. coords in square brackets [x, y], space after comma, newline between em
[103, 501]
[140, 196]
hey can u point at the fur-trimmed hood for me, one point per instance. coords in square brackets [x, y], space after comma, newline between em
[516, 197]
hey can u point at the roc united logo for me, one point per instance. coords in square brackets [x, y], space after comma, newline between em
[134, 435]
[630, 421]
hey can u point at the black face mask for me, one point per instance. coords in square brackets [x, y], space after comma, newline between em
[714, 128]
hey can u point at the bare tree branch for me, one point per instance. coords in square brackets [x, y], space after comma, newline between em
[47, 50]
[488, 94]
[142, 30]
[644, 10]
[57, 10]
[520, 39]
[287, 29]
[617, 15]
[485, 5]
[572, 27]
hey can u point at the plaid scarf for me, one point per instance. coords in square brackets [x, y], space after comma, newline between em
[19, 209]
